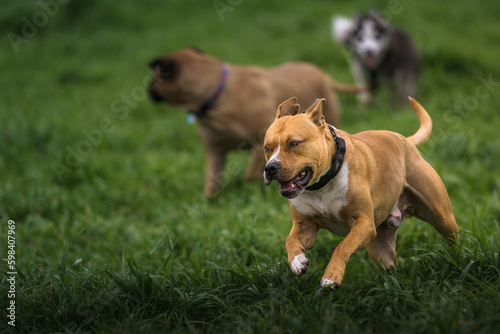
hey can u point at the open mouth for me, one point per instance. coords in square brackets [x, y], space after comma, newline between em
[295, 186]
[370, 61]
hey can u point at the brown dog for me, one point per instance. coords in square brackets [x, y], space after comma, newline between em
[235, 104]
[358, 186]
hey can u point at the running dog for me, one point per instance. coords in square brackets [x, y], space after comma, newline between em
[357, 186]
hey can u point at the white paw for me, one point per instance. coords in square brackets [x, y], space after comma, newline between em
[299, 264]
[326, 282]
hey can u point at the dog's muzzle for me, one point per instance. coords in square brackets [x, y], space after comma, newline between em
[270, 171]
[153, 94]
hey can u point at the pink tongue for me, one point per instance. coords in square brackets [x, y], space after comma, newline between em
[370, 61]
[286, 186]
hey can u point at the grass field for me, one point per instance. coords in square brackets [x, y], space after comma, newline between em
[118, 237]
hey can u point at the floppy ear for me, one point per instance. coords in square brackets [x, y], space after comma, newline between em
[315, 112]
[168, 67]
[153, 63]
[289, 107]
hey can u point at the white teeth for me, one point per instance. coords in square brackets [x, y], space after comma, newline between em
[303, 174]
[293, 185]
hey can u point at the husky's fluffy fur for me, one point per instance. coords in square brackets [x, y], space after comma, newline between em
[380, 54]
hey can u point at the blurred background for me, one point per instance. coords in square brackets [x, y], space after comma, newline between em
[85, 154]
[74, 69]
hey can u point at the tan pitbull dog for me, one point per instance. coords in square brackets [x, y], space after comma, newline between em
[358, 186]
[234, 104]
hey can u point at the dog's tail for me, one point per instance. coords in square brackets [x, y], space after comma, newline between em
[425, 129]
[346, 88]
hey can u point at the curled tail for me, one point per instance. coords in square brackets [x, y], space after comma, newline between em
[425, 129]
[346, 88]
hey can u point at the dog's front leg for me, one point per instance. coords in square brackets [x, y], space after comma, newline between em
[301, 238]
[215, 162]
[362, 231]
[364, 97]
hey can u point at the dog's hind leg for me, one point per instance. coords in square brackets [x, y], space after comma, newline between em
[430, 199]
[403, 84]
[383, 247]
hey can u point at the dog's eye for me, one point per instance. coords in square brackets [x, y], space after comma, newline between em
[294, 143]
[267, 149]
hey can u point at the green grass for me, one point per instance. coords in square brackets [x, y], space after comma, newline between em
[124, 241]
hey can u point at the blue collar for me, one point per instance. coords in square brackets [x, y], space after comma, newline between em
[201, 112]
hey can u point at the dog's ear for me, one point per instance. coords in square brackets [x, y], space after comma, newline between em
[342, 29]
[168, 67]
[289, 107]
[152, 64]
[315, 112]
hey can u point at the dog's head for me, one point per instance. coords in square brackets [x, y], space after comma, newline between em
[297, 147]
[178, 78]
[366, 36]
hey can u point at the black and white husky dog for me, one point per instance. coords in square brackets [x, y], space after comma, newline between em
[380, 54]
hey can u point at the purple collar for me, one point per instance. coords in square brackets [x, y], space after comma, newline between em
[201, 112]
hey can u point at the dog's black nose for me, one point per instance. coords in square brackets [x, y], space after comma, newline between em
[271, 168]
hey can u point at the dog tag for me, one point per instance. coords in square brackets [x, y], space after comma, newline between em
[190, 118]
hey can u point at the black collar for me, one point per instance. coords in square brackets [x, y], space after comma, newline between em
[197, 114]
[337, 161]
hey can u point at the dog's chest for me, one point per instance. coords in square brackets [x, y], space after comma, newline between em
[326, 203]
